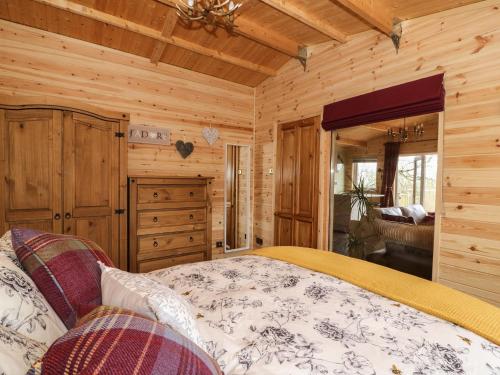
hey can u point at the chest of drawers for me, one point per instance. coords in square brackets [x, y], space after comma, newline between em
[170, 221]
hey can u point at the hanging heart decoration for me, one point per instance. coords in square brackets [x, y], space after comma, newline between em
[210, 134]
[185, 149]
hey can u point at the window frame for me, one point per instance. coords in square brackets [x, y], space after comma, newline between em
[422, 156]
[354, 171]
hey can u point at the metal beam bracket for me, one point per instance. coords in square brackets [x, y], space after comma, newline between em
[397, 33]
[302, 56]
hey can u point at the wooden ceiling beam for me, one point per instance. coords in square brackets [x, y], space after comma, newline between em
[122, 23]
[168, 28]
[259, 34]
[308, 18]
[375, 12]
[351, 142]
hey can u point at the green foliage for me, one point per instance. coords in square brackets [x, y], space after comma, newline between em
[363, 232]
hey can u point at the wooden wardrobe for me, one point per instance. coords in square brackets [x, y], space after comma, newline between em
[64, 170]
[297, 164]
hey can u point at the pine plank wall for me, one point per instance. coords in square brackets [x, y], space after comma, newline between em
[464, 43]
[34, 62]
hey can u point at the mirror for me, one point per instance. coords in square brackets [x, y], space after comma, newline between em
[237, 198]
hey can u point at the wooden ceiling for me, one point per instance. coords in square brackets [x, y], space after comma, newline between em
[268, 34]
[359, 136]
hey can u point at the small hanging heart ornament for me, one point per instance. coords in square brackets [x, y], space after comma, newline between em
[185, 149]
[211, 135]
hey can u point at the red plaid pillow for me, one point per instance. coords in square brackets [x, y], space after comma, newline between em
[111, 340]
[64, 268]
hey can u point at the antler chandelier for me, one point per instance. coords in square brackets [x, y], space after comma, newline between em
[402, 135]
[211, 12]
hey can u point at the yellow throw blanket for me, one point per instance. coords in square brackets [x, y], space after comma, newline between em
[435, 299]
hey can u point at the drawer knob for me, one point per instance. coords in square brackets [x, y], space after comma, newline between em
[57, 216]
[191, 216]
[191, 193]
[155, 219]
[191, 239]
[155, 194]
[155, 243]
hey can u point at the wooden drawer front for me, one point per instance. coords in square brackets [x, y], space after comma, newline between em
[155, 264]
[152, 219]
[171, 241]
[174, 193]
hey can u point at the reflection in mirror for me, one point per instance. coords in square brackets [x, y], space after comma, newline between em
[384, 189]
[237, 198]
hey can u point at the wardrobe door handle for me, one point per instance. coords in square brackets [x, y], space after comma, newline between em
[67, 215]
[57, 216]
[155, 243]
[155, 219]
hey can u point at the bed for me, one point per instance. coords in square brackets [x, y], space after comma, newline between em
[281, 310]
[262, 315]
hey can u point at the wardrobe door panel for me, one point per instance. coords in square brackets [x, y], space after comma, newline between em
[286, 168]
[306, 169]
[91, 180]
[304, 233]
[297, 163]
[283, 231]
[32, 169]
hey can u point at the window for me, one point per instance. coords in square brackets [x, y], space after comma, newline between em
[339, 180]
[365, 171]
[416, 181]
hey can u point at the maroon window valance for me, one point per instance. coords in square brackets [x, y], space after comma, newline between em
[409, 99]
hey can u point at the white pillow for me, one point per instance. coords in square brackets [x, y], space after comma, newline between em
[18, 352]
[23, 308]
[395, 211]
[150, 298]
[416, 211]
[7, 249]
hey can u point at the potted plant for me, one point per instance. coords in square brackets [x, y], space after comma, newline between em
[363, 236]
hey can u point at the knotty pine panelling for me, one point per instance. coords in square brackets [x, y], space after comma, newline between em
[465, 44]
[35, 62]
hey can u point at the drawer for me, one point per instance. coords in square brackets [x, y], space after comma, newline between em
[155, 264]
[153, 219]
[152, 244]
[172, 193]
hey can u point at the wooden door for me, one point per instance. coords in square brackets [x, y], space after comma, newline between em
[91, 180]
[30, 164]
[297, 183]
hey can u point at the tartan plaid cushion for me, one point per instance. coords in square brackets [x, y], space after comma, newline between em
[64, 268]
[111, 340]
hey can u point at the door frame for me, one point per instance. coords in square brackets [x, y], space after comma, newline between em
[249, 223]
[439, 210]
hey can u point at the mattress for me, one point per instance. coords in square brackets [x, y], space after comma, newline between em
[259, 315]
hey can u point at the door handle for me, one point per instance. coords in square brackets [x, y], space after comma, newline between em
[57, 216]
[67, 215]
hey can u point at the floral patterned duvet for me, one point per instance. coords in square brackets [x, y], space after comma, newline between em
[264, 316]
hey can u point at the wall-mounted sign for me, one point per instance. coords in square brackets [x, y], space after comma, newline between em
[148, 134]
